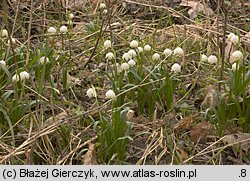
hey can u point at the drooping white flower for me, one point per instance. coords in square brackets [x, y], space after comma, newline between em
[212, 59]
[110, 94]
[234, 39]
[178, 51]
[140, 49]
[91, 93]
[235, 66]
[156, 56]
[203, 58]
[23, 75]
[131, 63]
[110, 56]
[236, 56]
[132, 53]
[230, 36]
[105, 11]
[176, 68]
[126, 56]
[147, 48]
[130, 114]
[13, 40]
[4, 33]
[2, 62]
[102, 6]
[124, 66]
[52, 30]
[15, 78]
[43, 60]
[71, 16]
[134, 44]
[107, 44]
[167, 52]
[63, 29]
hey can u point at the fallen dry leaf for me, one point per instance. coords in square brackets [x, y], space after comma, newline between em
[140, 120]
[200, 131]
[241, 140]
[184, 123]
[90, 157]
[196, 7]
[72, 81]
[182, 154]
[210, 98]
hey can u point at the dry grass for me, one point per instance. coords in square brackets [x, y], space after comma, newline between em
[39, 141]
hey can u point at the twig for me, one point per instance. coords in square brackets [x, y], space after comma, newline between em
[95, 47]
[218, 27]
[184, 46]
[29, 32]
[109, 20]
[223, 42]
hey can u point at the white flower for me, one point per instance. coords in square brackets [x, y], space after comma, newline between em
[167, 52]
[71, 16]
[130, 114]
[203, 58]
[134, 44]
[234, 39]
[2, 62]
[107, 44]
[156, 56]
[230, 36]
[131, 63]
[91, 93]
[124, 66]
[126, 56]
[52, 30]
[147, 48]
[176, 68]
[4, 33]
[63, 29]
[110, 56]
[132, 53]
[102, 6]
[212, 59]
[15, 78]
[13, 40]
[140, 49]
[178, 51]
[43, 60]
[23, 75]
[237, 55]
[105, 11]
[110, 94]
[235, 66]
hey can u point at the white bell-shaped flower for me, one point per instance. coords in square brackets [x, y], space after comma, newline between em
[107, 44]
[134, 44]
[212, 59]
[176, 68]
[110, 56]
[156, 56]
[178, 51]
[110, 94]
[147, 48]
[91, 93]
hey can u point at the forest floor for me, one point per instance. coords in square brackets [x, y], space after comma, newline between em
[178, 74]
